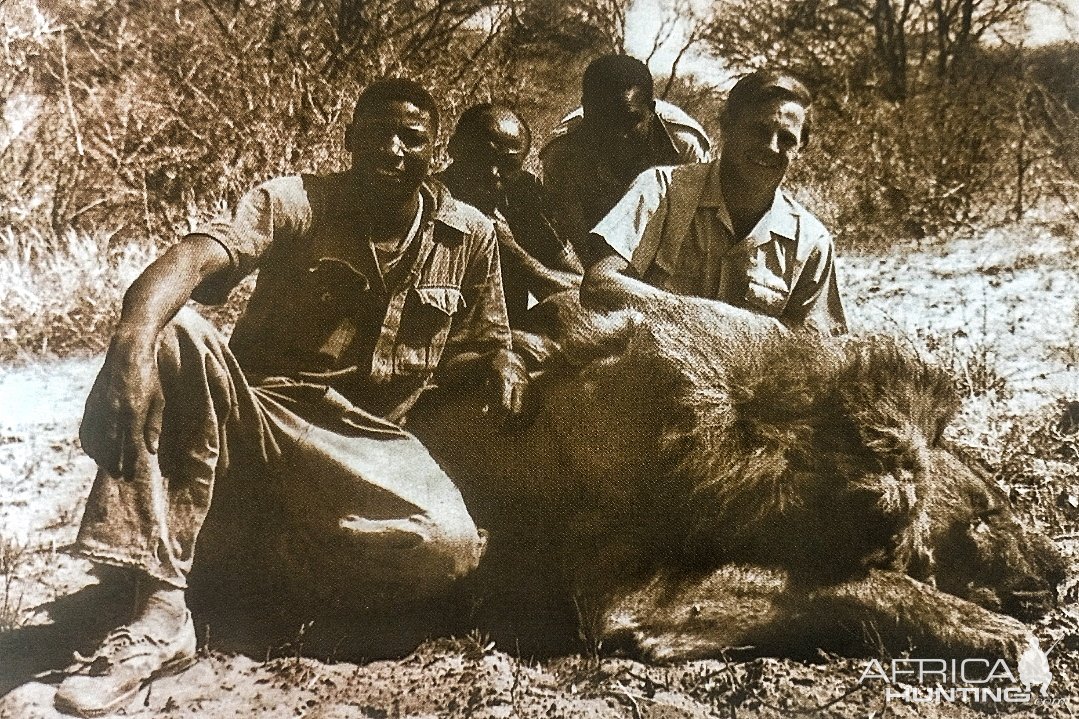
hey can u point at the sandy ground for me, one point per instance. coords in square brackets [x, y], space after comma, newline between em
[1006, 299]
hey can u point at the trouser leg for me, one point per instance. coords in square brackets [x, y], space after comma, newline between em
[364, 502]
[151, 521]
[359, 496]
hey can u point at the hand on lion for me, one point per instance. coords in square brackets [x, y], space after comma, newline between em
[509, 390]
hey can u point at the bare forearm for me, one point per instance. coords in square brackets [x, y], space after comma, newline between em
[607, 283]
[545, 281]
[162, 289]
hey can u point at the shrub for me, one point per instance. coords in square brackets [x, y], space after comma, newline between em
[147, 114]
[62, 295]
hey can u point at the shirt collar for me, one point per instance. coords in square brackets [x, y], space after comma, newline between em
[438, 204]
[780, 219]
[443, 207]
[660, 145]
[663, 140]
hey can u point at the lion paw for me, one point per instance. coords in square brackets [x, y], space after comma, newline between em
[1001, 637]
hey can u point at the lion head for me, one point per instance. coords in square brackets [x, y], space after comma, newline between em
[981, 551]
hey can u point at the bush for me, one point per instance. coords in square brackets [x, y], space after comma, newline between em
[943, 159]
[148, 114]
[62, 295]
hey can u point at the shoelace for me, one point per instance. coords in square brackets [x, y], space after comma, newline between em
[118, 639]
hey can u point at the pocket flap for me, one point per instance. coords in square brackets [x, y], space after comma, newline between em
[444, 299]
[765, 291]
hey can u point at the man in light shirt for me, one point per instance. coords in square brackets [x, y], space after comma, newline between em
[726, 230]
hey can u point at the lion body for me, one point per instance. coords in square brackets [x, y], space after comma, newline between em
[697, 479]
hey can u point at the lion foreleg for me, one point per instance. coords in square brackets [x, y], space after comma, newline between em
[902, 612]
[678, 618]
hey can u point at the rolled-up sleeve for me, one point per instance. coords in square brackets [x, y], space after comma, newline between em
[637, 216]
[691, 146]
[277, 210]
[484, 325]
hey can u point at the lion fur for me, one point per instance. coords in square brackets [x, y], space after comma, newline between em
[775, 446]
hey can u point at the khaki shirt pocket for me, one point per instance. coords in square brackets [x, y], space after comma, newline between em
[765, 292]
[425, 325]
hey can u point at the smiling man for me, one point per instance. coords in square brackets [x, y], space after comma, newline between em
[488, 148]
[619, 131]
[371, 282]
[725, 230]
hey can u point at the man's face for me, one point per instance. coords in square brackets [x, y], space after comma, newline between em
[760, 143]
[392, 146]
[488, 160]
[621, 119]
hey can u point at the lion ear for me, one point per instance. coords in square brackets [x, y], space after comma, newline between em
[899, 401]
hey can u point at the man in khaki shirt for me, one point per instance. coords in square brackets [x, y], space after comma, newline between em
[726, 230]
[372, 283]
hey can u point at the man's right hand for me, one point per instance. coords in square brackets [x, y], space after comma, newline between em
[514, 401]
[123, 412]
[122, 421]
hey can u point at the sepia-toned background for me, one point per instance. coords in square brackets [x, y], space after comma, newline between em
[944, 157]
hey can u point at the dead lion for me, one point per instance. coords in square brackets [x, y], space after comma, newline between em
[697, 479]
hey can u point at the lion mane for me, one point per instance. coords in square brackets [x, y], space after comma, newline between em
[777, 447]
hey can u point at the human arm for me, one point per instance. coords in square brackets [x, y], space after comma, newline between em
[614, 277]
[122, 421]
[563, 196]
[611, 282]
[815, 302]
[480, 339]
[123, 415]
[542, 279]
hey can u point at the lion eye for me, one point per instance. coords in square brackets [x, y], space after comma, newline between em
[981, 523]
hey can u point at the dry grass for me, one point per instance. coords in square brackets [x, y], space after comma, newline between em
[60, 296]
[12, 560]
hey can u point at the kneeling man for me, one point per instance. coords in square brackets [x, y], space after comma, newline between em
[725, 230]
[488, 147]
[372, 282]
